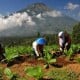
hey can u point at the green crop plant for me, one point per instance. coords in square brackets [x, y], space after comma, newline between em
[24, 49]
[73, 50]
[48, 59]
[13, 52]
[35, 72]
[51, 47]
[10, 75]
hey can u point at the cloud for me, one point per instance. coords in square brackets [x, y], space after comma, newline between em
[39, 16]
[1, 16]
[53, 13]
[71, 6]
[16, 20]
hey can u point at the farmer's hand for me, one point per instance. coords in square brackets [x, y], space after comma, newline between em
[37, 53]
[66, 44]
[61, 49]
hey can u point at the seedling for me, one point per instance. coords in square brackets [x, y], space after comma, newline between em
[10, 75]
[48, 59]
[35, 72]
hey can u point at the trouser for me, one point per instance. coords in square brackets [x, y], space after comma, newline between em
[41, 54]
[68, 46]
[65, 47]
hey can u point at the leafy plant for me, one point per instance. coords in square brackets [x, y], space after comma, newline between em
[48, 59]
[15, 51]
[10, 75]
[76, 33]
[11, 53]
[35, 72]
[73, 50]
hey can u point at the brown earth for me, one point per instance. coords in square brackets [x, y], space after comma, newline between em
[18, 66]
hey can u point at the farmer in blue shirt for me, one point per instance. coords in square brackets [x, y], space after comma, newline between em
[38, 46]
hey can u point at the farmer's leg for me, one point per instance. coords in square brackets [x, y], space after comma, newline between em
[35, 53]
[42, 54]
[68, 47]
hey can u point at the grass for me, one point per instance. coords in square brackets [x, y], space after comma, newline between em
[59, 74]
[1, 73]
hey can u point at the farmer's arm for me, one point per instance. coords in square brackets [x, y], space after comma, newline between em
[36, 51]
[35, 48]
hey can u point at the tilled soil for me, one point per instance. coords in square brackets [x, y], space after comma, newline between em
[18, 66]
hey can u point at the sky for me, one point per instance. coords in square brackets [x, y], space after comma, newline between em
[68, 7]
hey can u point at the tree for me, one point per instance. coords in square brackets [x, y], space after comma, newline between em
[38, 34]
[76, 33]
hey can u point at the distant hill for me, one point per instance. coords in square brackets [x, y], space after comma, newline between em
[47, 21]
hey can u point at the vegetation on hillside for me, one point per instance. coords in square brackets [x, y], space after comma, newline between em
[76, 33]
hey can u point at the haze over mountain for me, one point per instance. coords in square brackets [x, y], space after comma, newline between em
[35, 18]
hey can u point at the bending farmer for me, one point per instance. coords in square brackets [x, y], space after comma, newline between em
[64, 41]
[38, 46]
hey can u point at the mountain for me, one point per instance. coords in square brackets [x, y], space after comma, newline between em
[36, 18]
[35, 9]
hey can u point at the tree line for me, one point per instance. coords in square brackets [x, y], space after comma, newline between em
[51, 38]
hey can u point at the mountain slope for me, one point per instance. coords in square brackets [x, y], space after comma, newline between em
[36, 18]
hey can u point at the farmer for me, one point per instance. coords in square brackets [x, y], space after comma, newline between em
[38, 46]
[2, 51]
[64, 41]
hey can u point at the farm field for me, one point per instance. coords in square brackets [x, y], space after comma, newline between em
[22, 65]
[39, 40]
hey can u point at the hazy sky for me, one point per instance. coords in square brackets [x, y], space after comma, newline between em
[68, 7]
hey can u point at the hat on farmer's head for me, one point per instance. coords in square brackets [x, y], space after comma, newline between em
[41, 41]
[60, 34]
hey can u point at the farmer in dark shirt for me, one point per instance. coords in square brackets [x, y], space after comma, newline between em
[64, 40]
